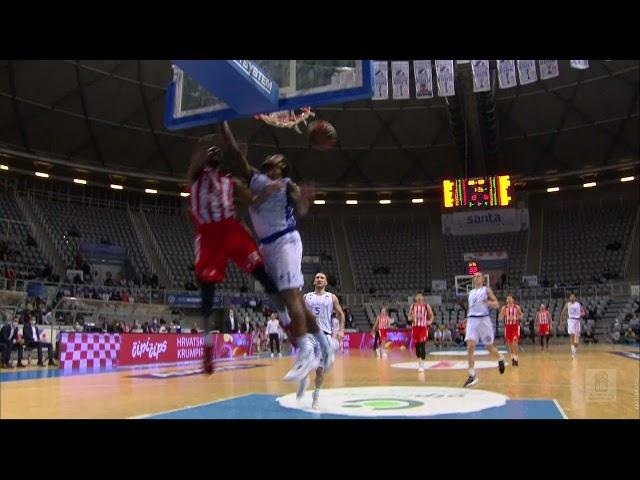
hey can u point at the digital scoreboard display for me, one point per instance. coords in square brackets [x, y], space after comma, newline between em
[472, 268]
[482, 192]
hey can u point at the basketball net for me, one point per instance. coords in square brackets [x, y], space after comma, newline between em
[287, 118]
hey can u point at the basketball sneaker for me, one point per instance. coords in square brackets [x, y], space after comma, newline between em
[305, 363]
[471, 381]
[501, 366]
[420, 366]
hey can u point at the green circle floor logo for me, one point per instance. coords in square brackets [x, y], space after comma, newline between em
[397, 401]
[381, 403]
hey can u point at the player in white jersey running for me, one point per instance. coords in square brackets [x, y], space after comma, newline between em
[322, 304]
[272, 215]
[575, 312]
[479, 328]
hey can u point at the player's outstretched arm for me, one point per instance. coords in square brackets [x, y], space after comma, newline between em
[237, 158]
[302, 196]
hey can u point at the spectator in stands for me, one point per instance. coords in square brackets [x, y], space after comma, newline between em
[109, 281]
[532, 329]
[154, 281]
[446, 336]
[589, 337]
[194, 329]
[273, 328]
[630, 335]
[462, 327]
[348, 318]
[10, 339]
[46, 318]
[230, 323]
[155, 326]
[146, 328]
[246, 327]
[31, 335]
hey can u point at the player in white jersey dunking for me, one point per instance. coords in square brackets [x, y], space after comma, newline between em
[479, 328]
[575, 312]
[272, 215]
[322, 304]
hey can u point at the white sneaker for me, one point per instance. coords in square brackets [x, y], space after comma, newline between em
[420, 366]
[305, 363]
[384, 354]
[280, 354]
[378, 354]
[272, 355]
[301, 388]
[316, 400]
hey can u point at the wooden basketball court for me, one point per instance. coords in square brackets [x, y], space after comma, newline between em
[602, 382]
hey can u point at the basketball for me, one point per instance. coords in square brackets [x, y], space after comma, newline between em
[322, 134]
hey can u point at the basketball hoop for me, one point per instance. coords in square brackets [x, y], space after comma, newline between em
[286, 118]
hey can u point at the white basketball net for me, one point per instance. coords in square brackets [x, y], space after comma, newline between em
[287, 118]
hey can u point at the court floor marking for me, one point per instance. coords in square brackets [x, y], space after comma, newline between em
[564, 415]
[186, 407]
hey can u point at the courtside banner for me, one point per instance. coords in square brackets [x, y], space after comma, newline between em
[396, 338]
[157, 348]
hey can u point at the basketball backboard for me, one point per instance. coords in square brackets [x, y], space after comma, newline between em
[210, 91]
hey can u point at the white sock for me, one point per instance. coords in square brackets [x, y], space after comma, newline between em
[472, 372]
[501, 358]
[515, 357]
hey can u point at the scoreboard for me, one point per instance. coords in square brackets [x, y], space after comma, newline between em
[481, 192]
[472, 267]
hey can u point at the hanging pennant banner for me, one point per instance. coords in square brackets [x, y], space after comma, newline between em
[527, 71]
[481, 75]
[381, 79]
[548, 69]
[424, 78]
[400, 72]
[579, 64]
[445, 73]
[507, 73]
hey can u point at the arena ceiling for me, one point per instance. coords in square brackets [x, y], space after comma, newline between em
[107, 115]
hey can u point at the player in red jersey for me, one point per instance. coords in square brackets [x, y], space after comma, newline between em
[382, 324]
[543, 324]
[420, 317]
[220, 237]
[511, 313]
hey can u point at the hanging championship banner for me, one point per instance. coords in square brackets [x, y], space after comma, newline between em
[527, 71]
[424, 78]
[381, 80]
[445, 73]
[481, 75]
[400, 72]
[507, 73]
[579, 64]
[548, 69]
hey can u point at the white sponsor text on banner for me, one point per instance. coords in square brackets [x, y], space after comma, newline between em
[485, 221]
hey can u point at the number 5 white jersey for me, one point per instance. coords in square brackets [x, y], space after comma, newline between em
[322, 308]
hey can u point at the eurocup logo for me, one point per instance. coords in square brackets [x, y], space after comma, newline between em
[172, 298]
